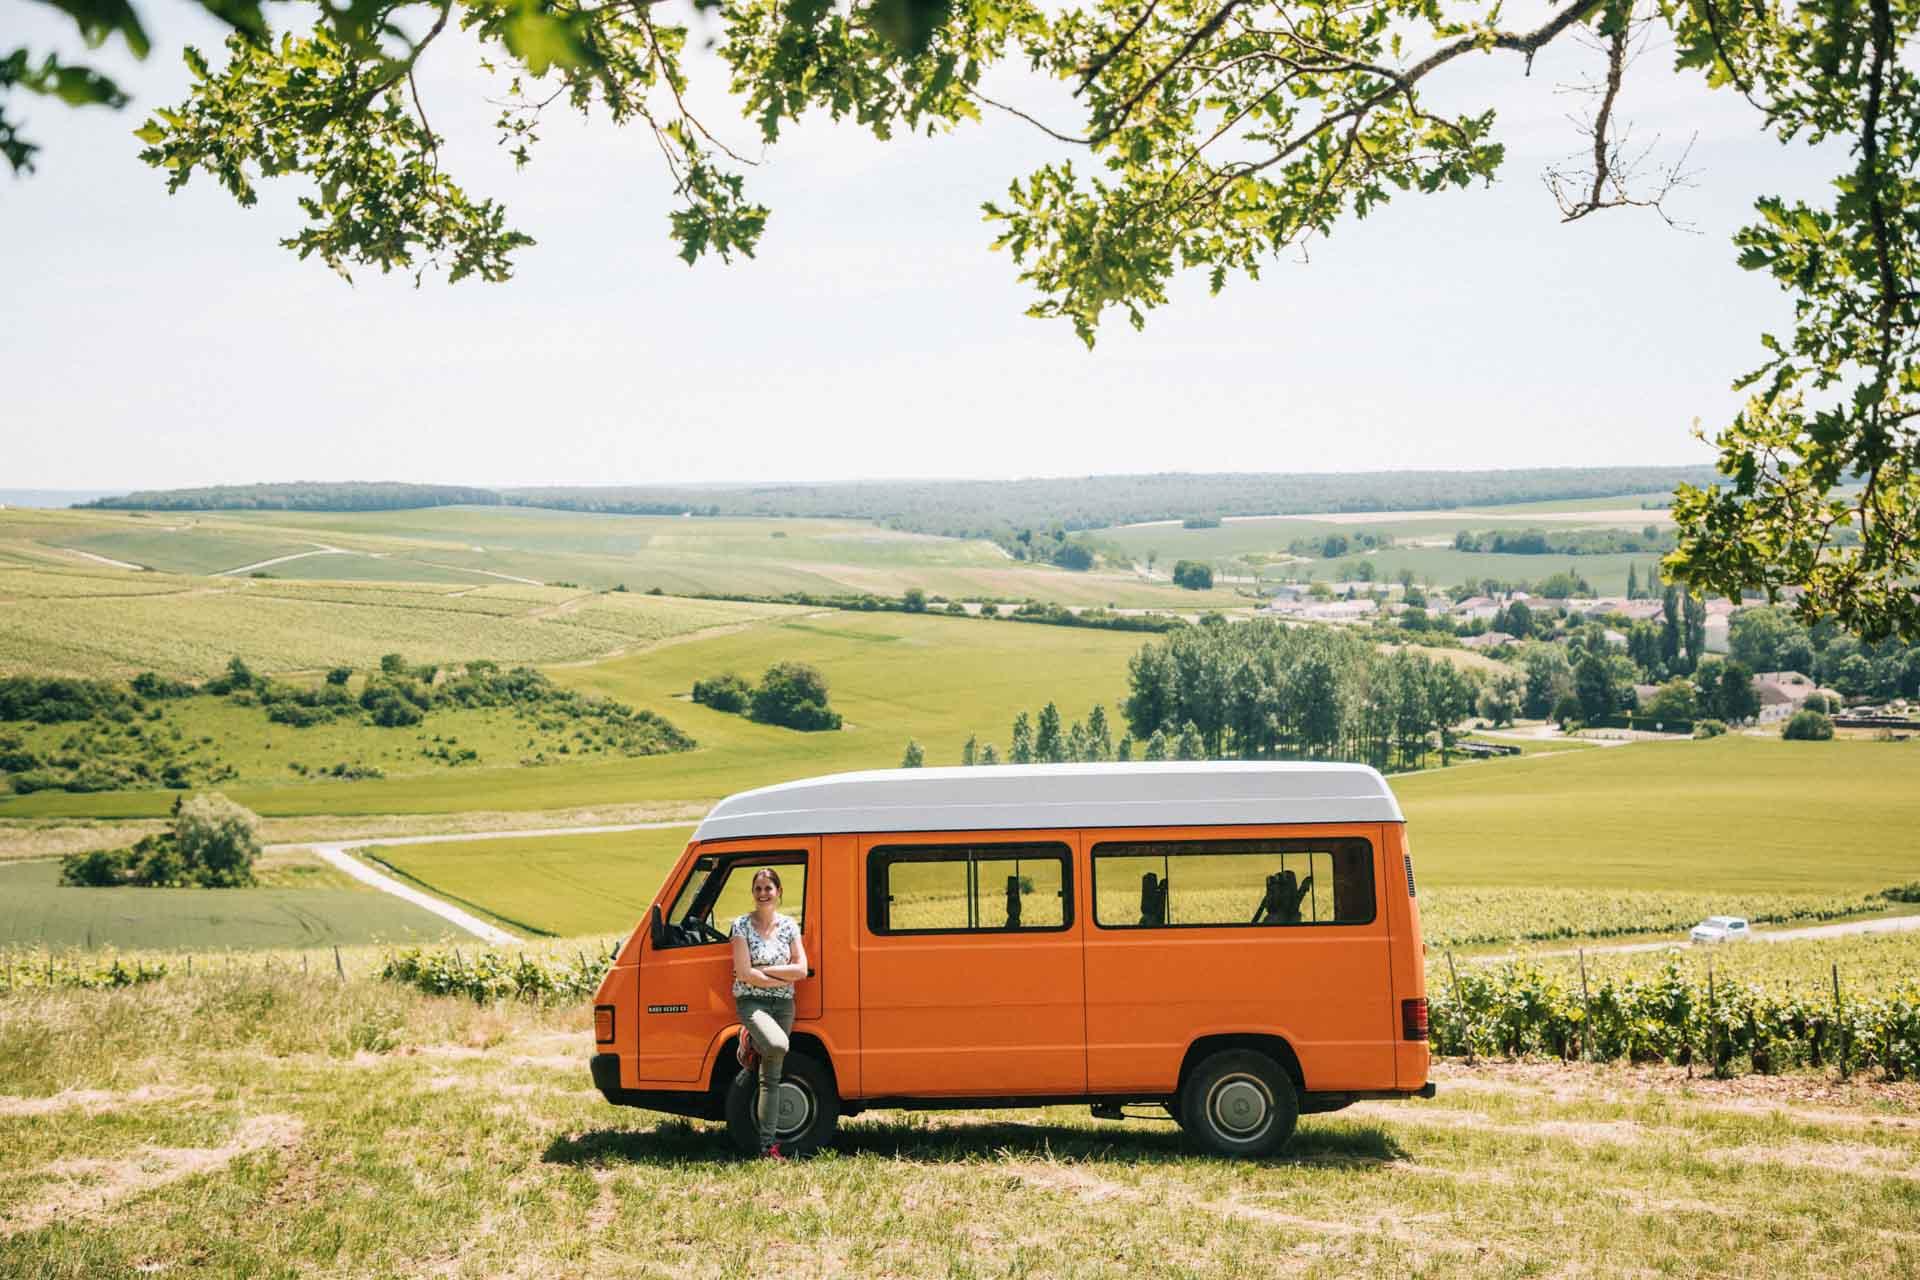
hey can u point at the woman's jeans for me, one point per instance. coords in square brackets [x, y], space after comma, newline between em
[768, 1022]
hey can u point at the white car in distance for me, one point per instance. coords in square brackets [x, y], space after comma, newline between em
[1720, 929]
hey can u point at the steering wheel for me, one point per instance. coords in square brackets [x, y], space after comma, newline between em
[700, 931]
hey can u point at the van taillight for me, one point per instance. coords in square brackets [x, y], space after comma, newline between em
[603, 1023]
[1413, 1019]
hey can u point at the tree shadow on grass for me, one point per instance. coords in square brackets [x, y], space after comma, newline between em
[910, 1137]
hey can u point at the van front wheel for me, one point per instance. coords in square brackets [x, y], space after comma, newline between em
[809, 1108]
[1239, 1103]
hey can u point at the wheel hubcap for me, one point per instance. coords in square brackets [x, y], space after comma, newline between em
[793, 1109]
[1241, 1106]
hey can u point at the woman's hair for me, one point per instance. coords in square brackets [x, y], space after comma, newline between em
[772, 875]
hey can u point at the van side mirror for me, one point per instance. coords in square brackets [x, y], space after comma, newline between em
[657, 926]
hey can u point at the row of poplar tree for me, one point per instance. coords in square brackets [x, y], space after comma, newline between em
[1259, 691]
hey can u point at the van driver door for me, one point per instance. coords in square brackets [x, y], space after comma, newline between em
[686, 973]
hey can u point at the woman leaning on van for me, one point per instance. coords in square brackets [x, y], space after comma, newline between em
[768, 958]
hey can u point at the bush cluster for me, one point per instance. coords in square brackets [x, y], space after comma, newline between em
[45, 971]
[728, 692]
[1517, 1010]
[1808, 726]
[791, 694]
[57, 700]
[212, 845]
[1709, 728]
[491, 975]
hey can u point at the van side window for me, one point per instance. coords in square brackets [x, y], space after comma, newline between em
[968, 888]
[720, 888]
[1175, 883]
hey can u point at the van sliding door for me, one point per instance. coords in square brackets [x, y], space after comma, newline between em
[971, 977]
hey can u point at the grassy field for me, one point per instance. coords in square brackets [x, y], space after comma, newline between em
[36, 910]
[1424, 544]
[1756, 814]
[193, 629]
[1870, 964]
[481, 544]
[893, 676]
[265, 1124]
[562, 886]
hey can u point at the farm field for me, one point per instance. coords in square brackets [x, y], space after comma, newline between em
[892, 676]
[1870, 964]
[1437, 564]
[279, 626]
[1758, 814]
[561, 886]
[475, 545]
[36, 910]
[193, 1121]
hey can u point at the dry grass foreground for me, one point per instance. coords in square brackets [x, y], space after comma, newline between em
[266, 1124]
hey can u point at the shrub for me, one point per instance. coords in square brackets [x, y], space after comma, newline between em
[1825, 704]
[1808, 726]
[150, 684]
[794, 695]
[1194, 575]
[339, 675]
[218, 840]
[728, 692]
[1909, 892]
[97, 868]
[914, 601]
[1709, 728]
[237, 676]
[491, 976]
[1567, 710]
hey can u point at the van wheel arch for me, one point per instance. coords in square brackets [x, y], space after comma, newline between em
[725, 1066]
[1273, 1047]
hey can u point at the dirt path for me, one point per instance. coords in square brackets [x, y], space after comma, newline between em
[320, 549]
[118, 564]
[335, 853]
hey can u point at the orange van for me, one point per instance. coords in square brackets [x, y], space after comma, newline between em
[1237, 942]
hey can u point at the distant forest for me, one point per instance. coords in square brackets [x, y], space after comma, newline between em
[994, 509]
[352, 495]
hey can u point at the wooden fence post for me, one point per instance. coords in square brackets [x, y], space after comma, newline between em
[1840, 1022]
[1586, 1009]
[1713, 1023]
[1453, 975]
[338, 967]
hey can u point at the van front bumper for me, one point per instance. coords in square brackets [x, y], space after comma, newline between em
[697, 1104]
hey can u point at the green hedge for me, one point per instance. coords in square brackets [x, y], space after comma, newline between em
[485, 976]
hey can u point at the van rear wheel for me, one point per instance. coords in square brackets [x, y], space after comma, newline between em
[1239, 1103]
[808, 1108]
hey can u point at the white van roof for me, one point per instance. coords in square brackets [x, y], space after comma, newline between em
[1039, 796]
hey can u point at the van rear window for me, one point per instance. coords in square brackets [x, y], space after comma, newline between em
[1184, 883]
[987, 888]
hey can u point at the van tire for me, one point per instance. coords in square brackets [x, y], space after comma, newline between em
[1239, 1103]
[806, 1084]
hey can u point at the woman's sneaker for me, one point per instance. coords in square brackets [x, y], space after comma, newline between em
[773, 1153]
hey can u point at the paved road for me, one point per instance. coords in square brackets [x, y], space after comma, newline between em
[335, 853]
[1884, 924]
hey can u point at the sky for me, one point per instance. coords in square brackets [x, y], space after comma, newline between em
[153, 341]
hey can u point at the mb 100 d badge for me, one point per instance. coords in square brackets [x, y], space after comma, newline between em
[666, 1008]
